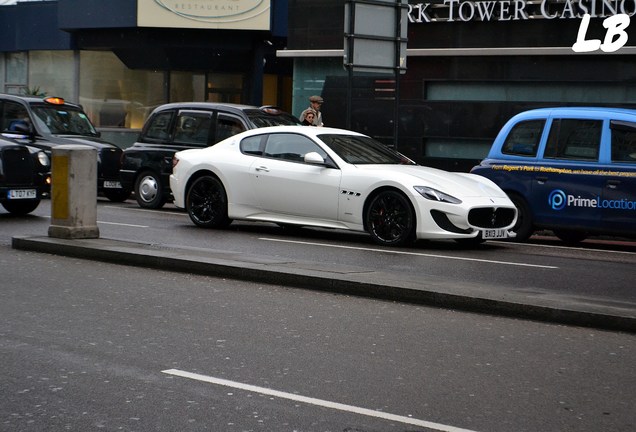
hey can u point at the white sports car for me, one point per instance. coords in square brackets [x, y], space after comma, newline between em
[333, 178]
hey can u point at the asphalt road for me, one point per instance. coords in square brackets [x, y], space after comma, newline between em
[88, 345]
[92, 346]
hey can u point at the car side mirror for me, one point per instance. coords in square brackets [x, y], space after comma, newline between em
[314, 158]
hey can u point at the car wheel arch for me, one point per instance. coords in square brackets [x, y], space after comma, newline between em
[375, 192]
[525, 224]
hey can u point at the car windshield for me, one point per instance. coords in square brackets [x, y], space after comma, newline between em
[58, 120]
[363, 150]
[261, 118]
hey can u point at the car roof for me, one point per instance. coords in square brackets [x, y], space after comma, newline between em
[204, 105]
[33, 99]
[570, 111]
[307, 130]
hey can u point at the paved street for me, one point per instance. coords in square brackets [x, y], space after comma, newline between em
[84, 345]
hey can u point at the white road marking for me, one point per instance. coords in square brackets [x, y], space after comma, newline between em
[583, 249]
[123, 224]
[115, 223]
[411, 253]
[316, 402]
[157, 212]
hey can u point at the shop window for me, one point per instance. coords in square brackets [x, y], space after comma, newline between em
[16, 67]
[225, 88]
[113, 95]
[52, 73]
[187, 87]
[456, 148]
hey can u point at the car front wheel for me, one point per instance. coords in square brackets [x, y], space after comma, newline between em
[149, 191]
[206, 203]
[390, 219]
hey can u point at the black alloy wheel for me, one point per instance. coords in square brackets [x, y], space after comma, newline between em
[206, 203]
[149, 191]
[390, 219]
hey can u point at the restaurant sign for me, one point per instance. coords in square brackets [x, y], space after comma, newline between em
[212, 14]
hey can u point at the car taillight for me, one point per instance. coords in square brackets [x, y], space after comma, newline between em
[175, 161]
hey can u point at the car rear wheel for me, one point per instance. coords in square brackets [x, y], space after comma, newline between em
[206, 203]
[524, 225]
[390, 219]
[21, 207]
[149, 191]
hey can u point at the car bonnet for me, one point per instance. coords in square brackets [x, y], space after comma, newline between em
[457, 184]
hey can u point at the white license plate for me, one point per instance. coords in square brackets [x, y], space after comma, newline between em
[494, 234]
[112, 185]
[22, 194]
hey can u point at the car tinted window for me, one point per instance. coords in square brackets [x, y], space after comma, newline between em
[523, 139]
[193, 128]
[623, 141]
[159, 126]
[575, 139]
[227, 126]
[13, 115]
[63, 120]
[252, 145]
[363, 150]
[261, 118]
[291, 147]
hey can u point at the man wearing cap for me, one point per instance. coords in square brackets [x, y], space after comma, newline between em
[315, 102]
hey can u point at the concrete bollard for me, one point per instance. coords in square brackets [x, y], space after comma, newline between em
[74, 192]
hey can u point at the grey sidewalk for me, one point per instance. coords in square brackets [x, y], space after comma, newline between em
[573, 310]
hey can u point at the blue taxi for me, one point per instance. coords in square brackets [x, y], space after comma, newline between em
[570, 170]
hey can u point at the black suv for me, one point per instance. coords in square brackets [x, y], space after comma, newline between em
[147, 165]
[48, 122]
[24, 176]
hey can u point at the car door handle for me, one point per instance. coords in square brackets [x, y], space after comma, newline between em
[613, 184]
[542, 180]
[262, 168]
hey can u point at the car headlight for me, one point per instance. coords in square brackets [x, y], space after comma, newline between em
[435, 195]
[43, 159]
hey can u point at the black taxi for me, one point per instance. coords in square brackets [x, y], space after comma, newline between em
[51, 121]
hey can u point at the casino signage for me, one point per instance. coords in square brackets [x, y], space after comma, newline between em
[516, 10]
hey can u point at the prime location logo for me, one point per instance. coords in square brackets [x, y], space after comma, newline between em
[558, 200]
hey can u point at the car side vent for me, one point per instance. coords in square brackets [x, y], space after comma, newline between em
[444, 223]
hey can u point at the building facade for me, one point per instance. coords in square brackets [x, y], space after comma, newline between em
[470, 66]
[122, 58]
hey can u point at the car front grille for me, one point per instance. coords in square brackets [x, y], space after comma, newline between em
[491, 217]
[17, 166]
